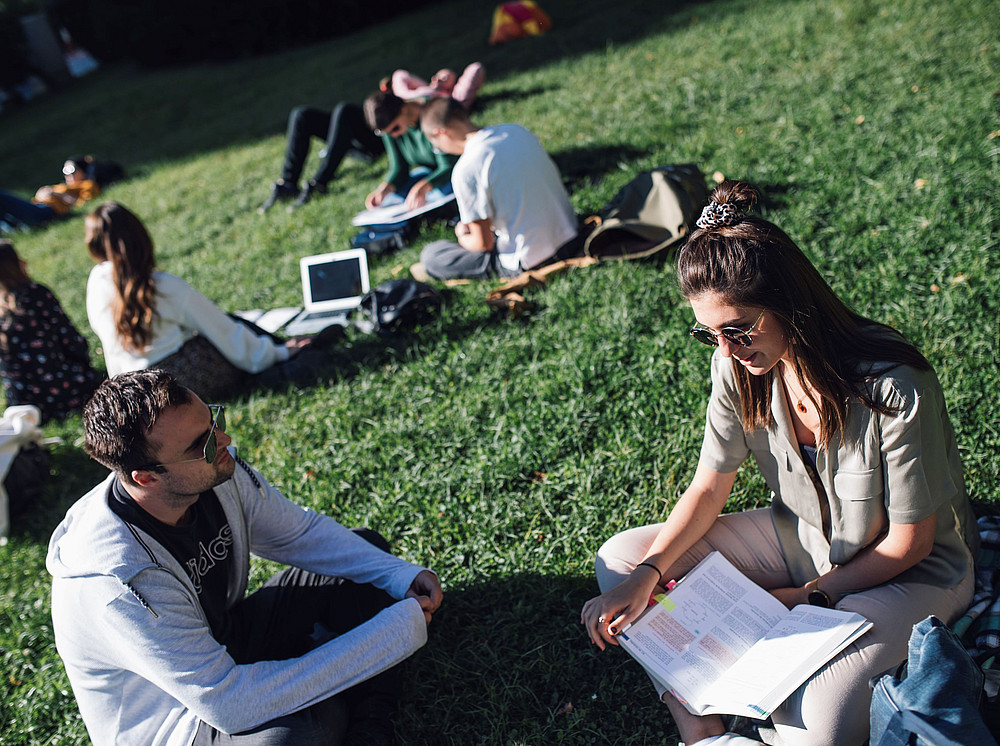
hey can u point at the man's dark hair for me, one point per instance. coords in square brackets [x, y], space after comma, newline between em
[381, 108]
[442, 112]
[119, 415]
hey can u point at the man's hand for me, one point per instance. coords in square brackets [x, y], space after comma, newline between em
[476, 236]
[427, 590]
[382, 191]
[417, 196]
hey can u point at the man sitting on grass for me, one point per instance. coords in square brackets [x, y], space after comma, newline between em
[515, 212]
[150, 570]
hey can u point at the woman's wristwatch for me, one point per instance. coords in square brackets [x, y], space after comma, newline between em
[816, 596]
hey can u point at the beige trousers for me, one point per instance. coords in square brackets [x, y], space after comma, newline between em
[832, 707]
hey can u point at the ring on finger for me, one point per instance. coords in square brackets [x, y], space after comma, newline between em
[601, 620]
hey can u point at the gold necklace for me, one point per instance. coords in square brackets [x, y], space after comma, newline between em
[800, 404]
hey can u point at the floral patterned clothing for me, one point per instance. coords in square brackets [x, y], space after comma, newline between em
[44, 360]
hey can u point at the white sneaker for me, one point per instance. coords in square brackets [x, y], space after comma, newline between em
[419, 273]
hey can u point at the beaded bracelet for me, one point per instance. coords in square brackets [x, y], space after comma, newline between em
[650, 564]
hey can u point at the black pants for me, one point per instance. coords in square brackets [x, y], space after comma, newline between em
[293, 612]
[344, 129]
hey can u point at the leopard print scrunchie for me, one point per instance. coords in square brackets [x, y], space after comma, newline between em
[719, 216]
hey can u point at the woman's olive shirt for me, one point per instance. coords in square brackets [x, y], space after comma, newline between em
[899, 468]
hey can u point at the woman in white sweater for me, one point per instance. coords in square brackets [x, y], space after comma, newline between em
[146, 318]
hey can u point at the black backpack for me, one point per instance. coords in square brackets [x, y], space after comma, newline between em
[400, 304]
[26, 478]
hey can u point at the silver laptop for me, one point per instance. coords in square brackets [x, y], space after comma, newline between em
[332, 287]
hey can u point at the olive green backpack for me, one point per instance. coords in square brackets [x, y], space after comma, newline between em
[653, 212]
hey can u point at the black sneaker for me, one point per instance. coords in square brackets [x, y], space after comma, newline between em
[306, 194]
[279, 191]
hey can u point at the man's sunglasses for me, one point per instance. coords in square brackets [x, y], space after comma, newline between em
[739, 337]
[211, 449]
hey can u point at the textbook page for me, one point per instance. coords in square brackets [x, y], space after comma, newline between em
[698, 630]
[692, 636]
[803, 641]
[394, 210]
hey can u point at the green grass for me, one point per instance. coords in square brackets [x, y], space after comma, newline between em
[502, 451]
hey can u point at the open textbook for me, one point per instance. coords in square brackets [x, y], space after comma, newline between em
[724, 645]
[394, 209]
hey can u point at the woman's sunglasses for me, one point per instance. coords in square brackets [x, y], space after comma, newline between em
[739, 337]
[211, 449]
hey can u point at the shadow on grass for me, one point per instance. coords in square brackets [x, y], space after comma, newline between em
[72, 473]
[590, 164]
[358, 351]
[508, 662]
[141, 117]
[507, 94]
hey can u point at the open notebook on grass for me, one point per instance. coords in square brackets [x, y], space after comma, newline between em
[724, 645]
[394, 210]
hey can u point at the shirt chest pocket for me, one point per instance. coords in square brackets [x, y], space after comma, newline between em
[858, 485]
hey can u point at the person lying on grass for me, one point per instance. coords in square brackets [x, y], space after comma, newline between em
[384, 124]
[463, 88]
[848, 425]
[51, 202]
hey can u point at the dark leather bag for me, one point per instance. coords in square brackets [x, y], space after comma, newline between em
[400, 304]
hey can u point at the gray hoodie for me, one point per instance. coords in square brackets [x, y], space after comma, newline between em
[137, 647]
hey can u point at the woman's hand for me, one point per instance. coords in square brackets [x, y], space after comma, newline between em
[417, 196]
[295, 345]
[606, 616]
[791, 596]
[382, 191]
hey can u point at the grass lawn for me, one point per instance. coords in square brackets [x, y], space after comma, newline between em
[502, 451]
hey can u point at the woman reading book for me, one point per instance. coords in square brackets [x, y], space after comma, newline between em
[847, 423]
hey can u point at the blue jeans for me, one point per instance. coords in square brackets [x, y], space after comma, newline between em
[937, 701]
[444, 260]
[18, 212]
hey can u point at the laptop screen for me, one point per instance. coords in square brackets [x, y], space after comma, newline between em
[334, 281]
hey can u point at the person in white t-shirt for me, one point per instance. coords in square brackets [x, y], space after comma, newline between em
[514, 210]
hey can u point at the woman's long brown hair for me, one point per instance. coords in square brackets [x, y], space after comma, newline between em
[754, 263]
[116, 235]
[12, 277]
